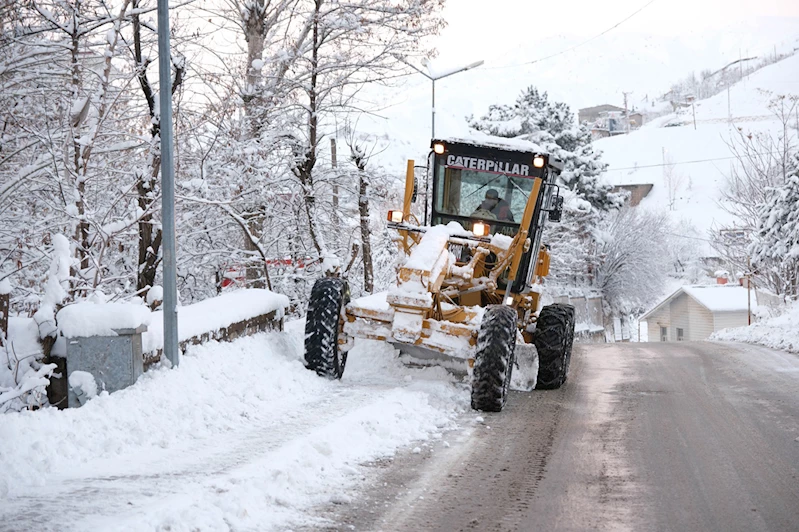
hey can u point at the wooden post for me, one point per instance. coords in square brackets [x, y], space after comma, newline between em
[5, 304]
[749, 289]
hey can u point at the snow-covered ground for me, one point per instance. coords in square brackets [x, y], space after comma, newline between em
[781, 332]
[241, 436]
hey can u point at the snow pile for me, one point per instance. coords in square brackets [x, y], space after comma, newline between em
[214, 314]
[91, 319]
[781, 332]
[250, 443]
[5, 286]
[478, 138]
[83, 385]
[430, 257]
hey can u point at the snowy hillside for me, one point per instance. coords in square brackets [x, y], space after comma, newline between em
[697, 159]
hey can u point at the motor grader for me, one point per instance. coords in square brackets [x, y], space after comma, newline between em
[469, 286]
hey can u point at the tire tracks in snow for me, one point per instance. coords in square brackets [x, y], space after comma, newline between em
[143, 479]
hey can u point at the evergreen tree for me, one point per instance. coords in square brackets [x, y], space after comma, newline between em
[551, 125]
[776, 243]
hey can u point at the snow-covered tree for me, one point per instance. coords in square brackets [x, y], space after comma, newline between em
[764, 162]
[775, 248]
[551, 125]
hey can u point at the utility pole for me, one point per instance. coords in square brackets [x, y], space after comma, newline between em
[749, 288]
[333, 164]
[167, 186]
[626, 112]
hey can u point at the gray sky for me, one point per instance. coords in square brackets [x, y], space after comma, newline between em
[511, 23]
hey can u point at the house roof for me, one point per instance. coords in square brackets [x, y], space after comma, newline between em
[714, 297]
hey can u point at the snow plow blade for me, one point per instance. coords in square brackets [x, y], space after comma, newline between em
[373, 318]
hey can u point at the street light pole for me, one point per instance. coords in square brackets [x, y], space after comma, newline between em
[167, 186]
[435, 78]
[433, 107]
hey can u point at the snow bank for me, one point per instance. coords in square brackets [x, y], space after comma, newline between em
[214, 314]
[218, 445]
[91, 319]
[781, 332]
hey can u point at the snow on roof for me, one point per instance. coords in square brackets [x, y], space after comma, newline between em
[714, 297]
[721, 298]
[477, 138]
[92, 319]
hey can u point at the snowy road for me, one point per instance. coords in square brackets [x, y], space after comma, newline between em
[665, 437]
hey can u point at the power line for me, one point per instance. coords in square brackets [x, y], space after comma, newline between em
[567, 50]
[684, 162]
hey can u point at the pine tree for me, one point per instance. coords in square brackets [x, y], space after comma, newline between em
[551, 125]
[776, 243]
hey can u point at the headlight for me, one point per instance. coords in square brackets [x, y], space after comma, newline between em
[395, 216]
[480, 229]
[438, 148]
[539, 161]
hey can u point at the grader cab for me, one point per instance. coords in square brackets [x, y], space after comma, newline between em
[469, 287]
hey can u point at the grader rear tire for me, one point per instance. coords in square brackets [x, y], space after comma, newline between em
[553, 337]
[493, 362]
[322, 354]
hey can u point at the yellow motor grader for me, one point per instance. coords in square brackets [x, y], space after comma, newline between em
[469, 287]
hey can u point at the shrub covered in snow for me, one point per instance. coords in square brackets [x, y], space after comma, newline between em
[780, 332]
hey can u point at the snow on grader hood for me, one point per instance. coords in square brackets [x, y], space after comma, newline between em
[469, 289]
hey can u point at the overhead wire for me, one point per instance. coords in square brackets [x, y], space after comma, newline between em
[684, 162]
[583, 43]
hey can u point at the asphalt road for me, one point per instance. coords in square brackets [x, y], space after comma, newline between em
[642, 437]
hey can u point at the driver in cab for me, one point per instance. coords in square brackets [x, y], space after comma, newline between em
[496, 207]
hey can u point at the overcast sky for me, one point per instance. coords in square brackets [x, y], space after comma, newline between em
[475, 28]
[643, 56]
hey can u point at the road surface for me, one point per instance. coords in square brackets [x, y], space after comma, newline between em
[642, 437]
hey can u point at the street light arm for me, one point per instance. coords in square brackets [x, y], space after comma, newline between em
[456, 71]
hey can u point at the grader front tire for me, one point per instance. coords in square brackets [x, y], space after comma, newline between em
[322, 354]
[553, 337]
[493, 361]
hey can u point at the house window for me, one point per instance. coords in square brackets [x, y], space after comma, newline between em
[664, 334]
[680, 335]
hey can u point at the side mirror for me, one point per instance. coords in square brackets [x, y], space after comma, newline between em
[415, 190]
[556, 212]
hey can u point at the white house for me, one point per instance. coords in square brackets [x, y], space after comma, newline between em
[695, 312]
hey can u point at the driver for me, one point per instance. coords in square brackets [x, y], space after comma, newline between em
[497, 206]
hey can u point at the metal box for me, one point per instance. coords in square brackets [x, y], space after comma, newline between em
[114, 361]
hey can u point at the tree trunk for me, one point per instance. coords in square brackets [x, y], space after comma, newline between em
[363, 209]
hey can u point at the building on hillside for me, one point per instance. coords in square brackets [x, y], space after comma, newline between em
[591, 114]
[695, 312]
[608, 120]
[637, 192]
